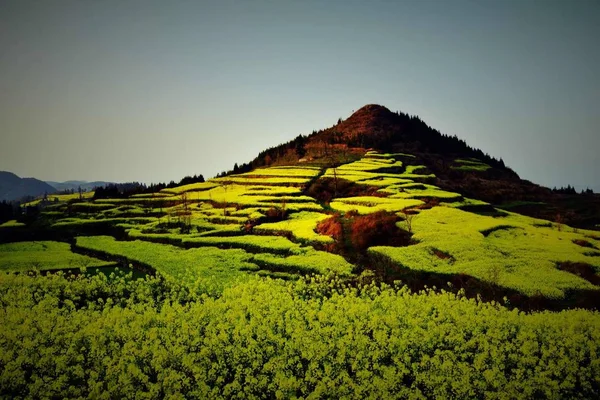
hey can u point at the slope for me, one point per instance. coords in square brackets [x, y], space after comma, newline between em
[384, 218]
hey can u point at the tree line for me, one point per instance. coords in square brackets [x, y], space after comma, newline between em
[123, 190]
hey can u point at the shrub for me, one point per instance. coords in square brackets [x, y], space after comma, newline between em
[325, 189]
[376, 229]
[331, 227]
[275, 214]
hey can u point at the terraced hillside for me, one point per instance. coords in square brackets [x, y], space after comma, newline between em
[380, 213]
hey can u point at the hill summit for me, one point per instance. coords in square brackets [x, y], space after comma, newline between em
[367, 120]
[458, 167]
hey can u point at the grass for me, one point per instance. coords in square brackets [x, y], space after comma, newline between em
[282, 172]
[210, 264]
[215, 268]
[12, 224]
[45, 255]
[515, 204]
[466, 203]
[310, 261]
[251, 243]
[384, 181]
[272, 180]
[470, 165]
[142, 200]
[252, 196]
[509, 251]
[300, 225]
[193, 187]
[61, 198]
[504, 248]
[372, 204]
[421, 190]
[91, 207]
[152, 195]
[75, 222]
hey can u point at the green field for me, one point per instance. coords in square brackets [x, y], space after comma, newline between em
[470, 165]
[264, 219]
[11, 224]
[508, 251]
[44, 255]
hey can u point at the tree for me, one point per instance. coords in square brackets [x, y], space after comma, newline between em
[408, 219]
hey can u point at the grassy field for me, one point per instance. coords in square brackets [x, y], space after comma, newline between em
[44, 255]
[53, 198]
[300, 225]
[11, 224]
[217, 268]
[265, 219]
[509, 251]
[470, 165]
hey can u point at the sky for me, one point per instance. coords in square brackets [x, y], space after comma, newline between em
[153, 91]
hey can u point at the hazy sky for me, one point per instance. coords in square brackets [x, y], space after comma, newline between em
[156, 90]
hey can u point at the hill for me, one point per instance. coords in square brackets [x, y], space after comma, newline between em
[75, 185]
[381, 214]
[330, 271]
[13, 187]
[457, 166]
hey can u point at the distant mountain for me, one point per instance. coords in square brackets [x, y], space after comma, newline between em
[12, 187]
[75, 185]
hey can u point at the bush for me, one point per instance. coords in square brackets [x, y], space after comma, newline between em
[275, 214]
[324, 189]
[377, 229]
[331, 227]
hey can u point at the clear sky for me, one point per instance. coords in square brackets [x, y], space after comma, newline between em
[156, 90]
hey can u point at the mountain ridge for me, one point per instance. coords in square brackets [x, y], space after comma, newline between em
[13, 187]
[76, 184]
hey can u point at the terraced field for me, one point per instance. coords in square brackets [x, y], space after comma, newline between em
[44, 255]
[265, 222]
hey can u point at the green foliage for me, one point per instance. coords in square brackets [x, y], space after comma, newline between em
[61, 198]
[193, 187]
[252, 243]
[76, 222]
[270, 180]
[470, 165]
[91, 206]
[45, 255]
[525, 255]
[12, 224]
[372, 204]
[301, 225]
[100, 338]
[308, 261]
[306, 172]
[216, 266]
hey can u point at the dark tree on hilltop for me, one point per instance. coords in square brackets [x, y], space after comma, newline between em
[566, 190]
[119, 190]
[188, 180]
